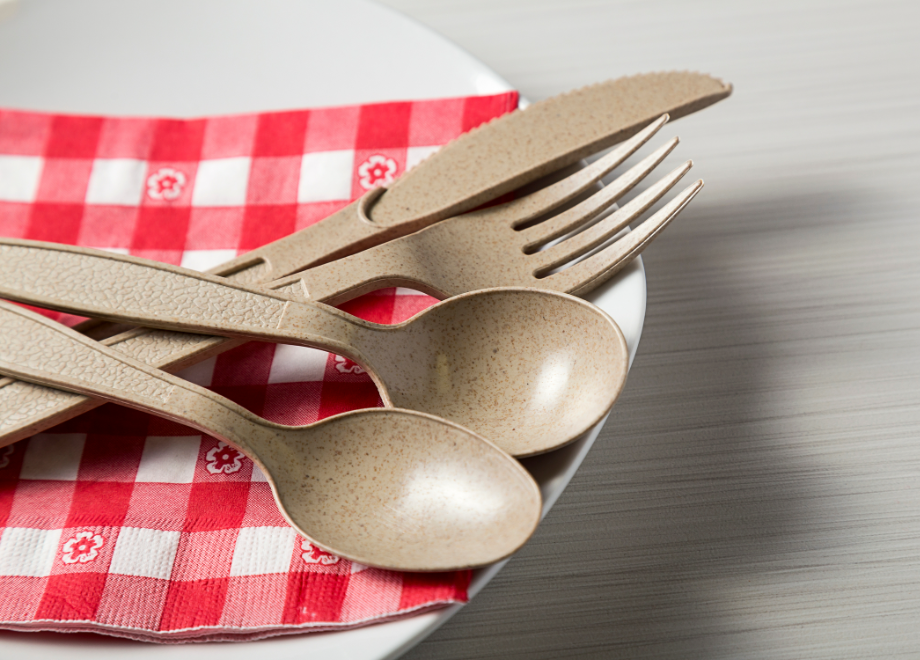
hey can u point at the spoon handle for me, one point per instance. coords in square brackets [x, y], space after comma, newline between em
[43, 351]
[142, 292]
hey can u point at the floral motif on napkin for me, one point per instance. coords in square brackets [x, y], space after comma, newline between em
[127, 524]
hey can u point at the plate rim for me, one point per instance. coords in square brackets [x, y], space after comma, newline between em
[385, 640]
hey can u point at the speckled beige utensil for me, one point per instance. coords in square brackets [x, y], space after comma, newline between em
[496, 247]
[530, 370]
[489, 161]
[480, 166]
[385, 487]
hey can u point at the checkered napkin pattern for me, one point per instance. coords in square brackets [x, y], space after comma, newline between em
[123, 523]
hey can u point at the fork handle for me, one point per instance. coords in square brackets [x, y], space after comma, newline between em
[391, 264]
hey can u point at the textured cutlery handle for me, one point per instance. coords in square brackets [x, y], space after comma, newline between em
[37, 349]
[26, 409]
[42, 351]
[100, 284]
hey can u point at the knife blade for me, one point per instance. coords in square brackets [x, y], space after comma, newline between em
[481, 165]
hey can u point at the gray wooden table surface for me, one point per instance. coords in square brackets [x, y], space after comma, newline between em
[757, 492]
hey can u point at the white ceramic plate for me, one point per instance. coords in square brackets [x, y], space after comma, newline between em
[177, 58]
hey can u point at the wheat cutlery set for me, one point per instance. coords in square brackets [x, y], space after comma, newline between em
[509, 364]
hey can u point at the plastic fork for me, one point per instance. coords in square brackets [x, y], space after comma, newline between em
[519, 243]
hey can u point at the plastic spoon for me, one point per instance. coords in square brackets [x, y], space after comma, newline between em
[531, 370]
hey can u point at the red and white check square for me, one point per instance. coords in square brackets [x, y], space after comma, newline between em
[127, 524]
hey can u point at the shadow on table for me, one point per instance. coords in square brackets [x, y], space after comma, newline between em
[695, 487]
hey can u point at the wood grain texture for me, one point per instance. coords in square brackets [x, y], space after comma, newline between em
[756, 493]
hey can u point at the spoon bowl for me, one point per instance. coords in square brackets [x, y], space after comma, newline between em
[531, 369]
[385, 487]
[403, 490]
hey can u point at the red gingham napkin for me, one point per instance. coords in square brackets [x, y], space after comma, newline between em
[122, 523]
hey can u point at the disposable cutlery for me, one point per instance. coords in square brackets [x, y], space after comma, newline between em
[385, 487]
[451, 181]
[530, 370]
[502, 246]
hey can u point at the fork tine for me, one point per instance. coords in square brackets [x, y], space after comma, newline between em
[575, 217]
[593, 236]
[590, 273]
[540, 202]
